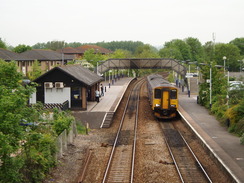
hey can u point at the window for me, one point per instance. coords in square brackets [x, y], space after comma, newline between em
[157, 93]
[173, 94]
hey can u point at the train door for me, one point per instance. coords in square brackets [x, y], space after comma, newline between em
[165, 99]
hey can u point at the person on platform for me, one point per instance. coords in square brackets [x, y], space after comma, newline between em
[97, 94]
[102, 93]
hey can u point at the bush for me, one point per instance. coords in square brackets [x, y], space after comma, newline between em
[62, 121]
[39, 155]
[81, 128]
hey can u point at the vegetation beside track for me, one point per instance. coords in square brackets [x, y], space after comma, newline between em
[27, 133]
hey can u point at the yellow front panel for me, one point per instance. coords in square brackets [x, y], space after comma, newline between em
[165, 100]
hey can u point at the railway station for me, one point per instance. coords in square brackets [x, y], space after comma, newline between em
[224, 146]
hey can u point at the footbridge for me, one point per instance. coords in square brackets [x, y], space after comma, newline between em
[142, 63]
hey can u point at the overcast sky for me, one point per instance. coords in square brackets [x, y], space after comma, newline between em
[150, 21]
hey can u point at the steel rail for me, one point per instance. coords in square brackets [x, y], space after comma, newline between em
[135, 137]
[195, 157]
[175, 163]
[117, 136]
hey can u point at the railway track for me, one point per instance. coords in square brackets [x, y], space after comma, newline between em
[120, 167]
[188, 166]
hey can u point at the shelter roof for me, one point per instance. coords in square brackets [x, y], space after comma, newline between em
[77, 72]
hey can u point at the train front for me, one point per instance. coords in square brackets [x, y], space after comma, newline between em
[165, 103]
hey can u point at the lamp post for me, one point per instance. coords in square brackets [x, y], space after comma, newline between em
[224, 58]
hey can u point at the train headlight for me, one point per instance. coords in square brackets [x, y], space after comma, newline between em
[157, 105]
[172, 105]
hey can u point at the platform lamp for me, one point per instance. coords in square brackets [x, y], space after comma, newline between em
[224, 58]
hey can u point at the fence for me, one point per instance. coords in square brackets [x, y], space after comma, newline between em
[64, 139]
[62, 106]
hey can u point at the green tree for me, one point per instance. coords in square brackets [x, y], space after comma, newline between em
[73, 44]
[196, 49]
[93, 57]
[39, 46]
[146, 51]
[2, 44]
[55, 45]
[209, 49]
[181, 46]
[168, 52]
[13, 100]
[21, 48]
[119, 53]
[239, 42]
[232, 54]
[124, 45]
[36, 71]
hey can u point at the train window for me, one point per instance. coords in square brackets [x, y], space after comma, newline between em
[157, 93]
[173, 94]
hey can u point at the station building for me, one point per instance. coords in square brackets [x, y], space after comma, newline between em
[71, 83]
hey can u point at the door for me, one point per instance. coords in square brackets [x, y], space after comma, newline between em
[165, 99]
[76, 97]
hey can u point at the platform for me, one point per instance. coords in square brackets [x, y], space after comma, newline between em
[99, 112]
[224, 145]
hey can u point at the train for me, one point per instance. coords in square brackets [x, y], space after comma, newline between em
[163, 97]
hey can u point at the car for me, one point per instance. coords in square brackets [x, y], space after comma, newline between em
[235, 85]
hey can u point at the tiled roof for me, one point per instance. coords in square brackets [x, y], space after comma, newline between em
[45, 55]
[97, 49]
[7, 55]
[38, 54]
[77, 72]
[68, 50]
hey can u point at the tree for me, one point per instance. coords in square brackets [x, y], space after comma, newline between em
[21, 48]
[55, 45]
[39, 46]
[146, 51]
[239, 42]
[73, 44]
[125, 45]
[36, 71]
[119, 53]
[196, 49]
[170, 53]
[209, 50]
[232, 54]
[181, 46]
[2, 44]
[13, 100]
[93, 57]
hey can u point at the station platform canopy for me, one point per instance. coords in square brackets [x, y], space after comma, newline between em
[142, 63]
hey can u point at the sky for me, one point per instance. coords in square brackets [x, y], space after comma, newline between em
[153, 22]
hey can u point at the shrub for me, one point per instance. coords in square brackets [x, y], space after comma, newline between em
[62, 121]
[39, 156]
